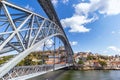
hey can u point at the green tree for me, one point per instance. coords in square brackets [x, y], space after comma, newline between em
[102, 63]
[2, 61]
[80, 62]
[21, 63]
[104, 57]
[90, 57]
[27, 62]
[40, 62]
[5, 58]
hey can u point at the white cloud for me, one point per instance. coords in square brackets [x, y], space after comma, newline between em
[29, 7]
[83, 0]
[116, 32]
[112, 7]
[113, 32]
[111, 50]
[76, 23]
[84, 10]
[114, 48]
[49, 43]
[108, 7]
[106, 51]
[55, 2]
[65, 1]
[73, 43]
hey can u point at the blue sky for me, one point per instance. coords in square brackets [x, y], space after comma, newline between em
[90, 25]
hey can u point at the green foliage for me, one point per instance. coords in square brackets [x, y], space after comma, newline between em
[80, 62]
[40, 62]
[21, 63]
[90, 57]
[102, 63]
[34, 55]
[4, 59]
[27, 62]
[104, 57]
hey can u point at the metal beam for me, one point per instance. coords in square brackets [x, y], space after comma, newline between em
[49, 10]
[39, 32]
[52, 15]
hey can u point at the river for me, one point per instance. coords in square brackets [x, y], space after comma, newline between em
[80, 75]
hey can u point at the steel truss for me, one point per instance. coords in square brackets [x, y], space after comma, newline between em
[22, 31]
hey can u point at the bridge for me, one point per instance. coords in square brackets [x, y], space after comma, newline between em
[22, 33]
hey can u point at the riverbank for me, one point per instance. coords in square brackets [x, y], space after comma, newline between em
[93, 68]
[99, 67]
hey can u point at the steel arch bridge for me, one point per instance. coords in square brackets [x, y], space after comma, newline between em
[22, 31]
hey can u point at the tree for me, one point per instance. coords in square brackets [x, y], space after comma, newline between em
[90, 57]
[103, 57]
[21, 63]
[27, 62]
[4, 59]
[102, 63]
[80, 62]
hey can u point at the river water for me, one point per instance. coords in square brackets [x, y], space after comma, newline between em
[80, 75]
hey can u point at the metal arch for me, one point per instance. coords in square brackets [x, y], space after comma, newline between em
[25, 31]
[8, 66]
[52, 15]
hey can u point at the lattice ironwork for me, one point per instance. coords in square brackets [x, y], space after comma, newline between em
[22, 31]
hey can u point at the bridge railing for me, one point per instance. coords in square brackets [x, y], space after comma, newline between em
[26, 70]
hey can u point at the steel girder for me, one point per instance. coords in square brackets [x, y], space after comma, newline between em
[23, 31]
[52, 15]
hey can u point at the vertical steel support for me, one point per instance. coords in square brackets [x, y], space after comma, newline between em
[30, 32]
[43, 53]
[54, 53]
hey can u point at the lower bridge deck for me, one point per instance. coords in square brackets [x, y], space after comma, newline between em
[27, 72]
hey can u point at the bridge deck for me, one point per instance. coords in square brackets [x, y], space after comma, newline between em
[32, 71]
